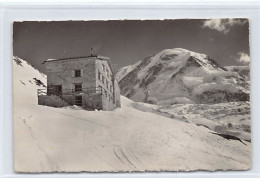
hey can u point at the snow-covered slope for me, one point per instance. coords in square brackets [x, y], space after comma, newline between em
[244, 71]
[26, 81]
[125, 70]
[181, 76]
[130, 138]
[232, 118]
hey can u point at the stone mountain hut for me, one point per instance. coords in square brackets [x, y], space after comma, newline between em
[88, 82]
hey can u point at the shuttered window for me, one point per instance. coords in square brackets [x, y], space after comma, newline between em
[77, 73]
[107, 73]
[99, 76]
[76, 87]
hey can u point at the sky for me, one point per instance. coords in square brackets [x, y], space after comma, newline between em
[126, 42]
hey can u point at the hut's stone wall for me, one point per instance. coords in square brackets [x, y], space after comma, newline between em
[60, 72]
[95, 73]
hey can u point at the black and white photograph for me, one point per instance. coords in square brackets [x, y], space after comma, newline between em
[131, 95]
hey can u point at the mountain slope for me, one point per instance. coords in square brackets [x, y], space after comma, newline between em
[125, 70]
[26, 81]
[178, 75]
[244, 71]
[130, 138]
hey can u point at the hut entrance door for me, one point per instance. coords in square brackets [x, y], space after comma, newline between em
[78, 100]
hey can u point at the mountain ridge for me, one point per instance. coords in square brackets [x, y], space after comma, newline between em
[182, 73]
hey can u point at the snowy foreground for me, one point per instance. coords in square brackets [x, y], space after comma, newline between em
[136, 137]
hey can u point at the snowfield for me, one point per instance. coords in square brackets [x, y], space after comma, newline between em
[132, 138]
[224, 118]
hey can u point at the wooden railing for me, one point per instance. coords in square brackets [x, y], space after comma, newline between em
[41, 92]
[64, 93]
[51, 91]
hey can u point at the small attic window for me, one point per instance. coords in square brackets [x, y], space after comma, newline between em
[77, 73]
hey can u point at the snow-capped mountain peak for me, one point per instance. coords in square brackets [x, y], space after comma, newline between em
[183, 74]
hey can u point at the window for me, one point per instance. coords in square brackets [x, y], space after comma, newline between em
[104, 80]
[99, 89]
[77, 87]
[99, 76]
[77, 73]
[107, 73]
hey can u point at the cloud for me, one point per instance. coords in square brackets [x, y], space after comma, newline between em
[243, 58]
[222, 25]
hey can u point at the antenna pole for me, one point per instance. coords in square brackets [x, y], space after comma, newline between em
[91, 53]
